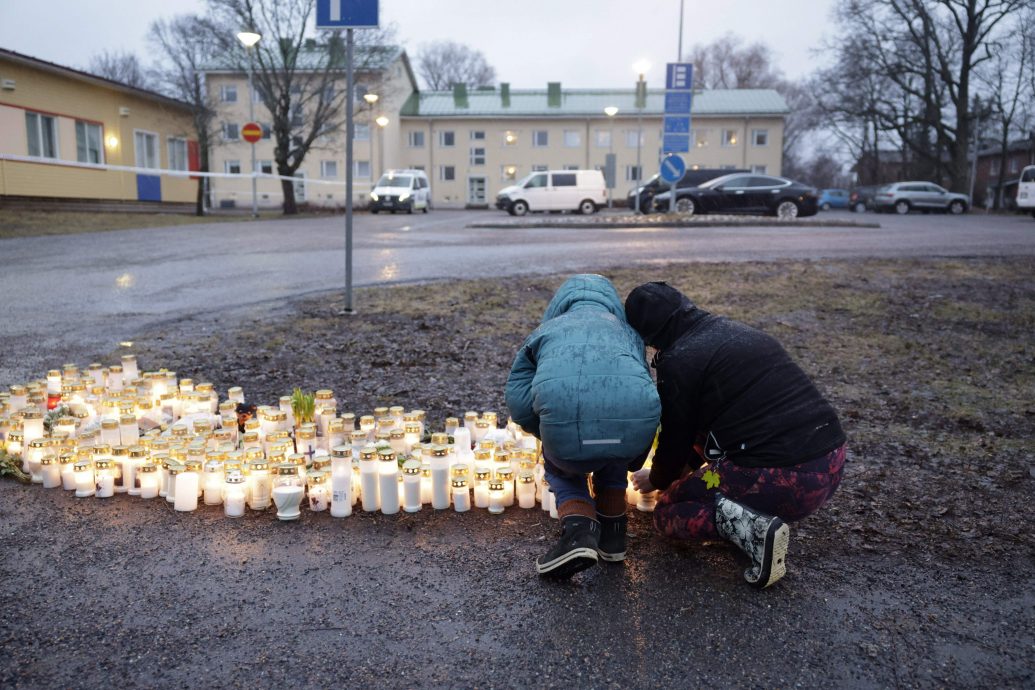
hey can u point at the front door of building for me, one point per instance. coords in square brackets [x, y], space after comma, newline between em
[476, 191]
[299, 187]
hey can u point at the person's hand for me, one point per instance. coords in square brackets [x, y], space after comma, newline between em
[641, 480]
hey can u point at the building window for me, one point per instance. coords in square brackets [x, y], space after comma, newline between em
[572, 138]
[363, 169]
[267, 130]
[700, 138]
[993, 166]
[415, 166]
[447, 139]
[760, 137]
[477, 135]
[415, 140]
[540, 168]
[510, 138]
[571, 166]
[231, 132]
[1014, 165]
[477, 155]
[228, 93]
[329, 169]
[42, 135]
[88, 142]
[232, 167]
[759, 169]
[264, 167]
[632, 136]
[361, 131]
[602, 137]
[146, 149]
[729, 138]
[508, 173]
[727, 167]
[540, 138]
[632, 173]
[296, 115]
[446, 173]
[178, 154]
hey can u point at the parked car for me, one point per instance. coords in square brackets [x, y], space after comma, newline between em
[833, 198]
[555, 190]
[861, 198]
[903, 197]
[745, 194]
[1026, 190]
[401, 190]
[655, 185]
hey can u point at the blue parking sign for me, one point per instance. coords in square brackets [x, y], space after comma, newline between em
[675, 143]
[679, 76]
[346, 14]
[679, 124]
[678, 102]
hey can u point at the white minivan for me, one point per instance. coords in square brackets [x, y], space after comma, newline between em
[555, 190]
[401, 190]
[1026, 190]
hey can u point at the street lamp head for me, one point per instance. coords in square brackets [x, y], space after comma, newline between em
[370, 98]
[641, 67]
[382, 121]
[248, 38]
[610, 111]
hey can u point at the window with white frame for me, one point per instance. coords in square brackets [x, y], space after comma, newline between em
[602, 138]
[508, 173]
[700, 138]
[447, 139]
[477, 155]
[264, 167]
[178, 154]
[231, 132]
[415, 139]
[760, 137]
[42, 135]
[88, 147]
[1014, 166]
[540, 168]
[632, 173]
[228, 93]
[446, 173]
[328, 169]
[632, 136]
[361, 131]
[571, 166]
[477, 135]
[540, 138]
[363, 169]
[729, 138]
[232, 167]
[572, 138]
[759, 169]
[145, 146]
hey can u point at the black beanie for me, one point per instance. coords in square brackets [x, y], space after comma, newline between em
[649, 307]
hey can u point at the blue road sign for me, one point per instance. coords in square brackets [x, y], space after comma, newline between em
[346, 14]
[675, 143]
[678, 102]
[672, 168]
[677, 124]
[679, 76]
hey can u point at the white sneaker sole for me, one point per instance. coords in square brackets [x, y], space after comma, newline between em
[568, 563]
[611, 557]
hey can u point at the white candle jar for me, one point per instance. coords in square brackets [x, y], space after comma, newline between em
[388, 481]
[341, 481]
[481, 428]
[481, 488]
[496, 497]
[213, 480]
[188, 483]
[104, 478]
[172, 470]
[84, 479]
[425, 483]
[546, 495]
[526, 490]
[15, 444]
[66, 461]
[452, 424]
[115, 378]
[411, 486]
[287, 492]
[120, 458]
[129, 367]
[233, 495]
[147, 478]
[335, 435]
[368, 478]
[35, 450]
[461, 496]
[319, 492]
[235, 394]
[506, 477]
[50, 471]
[397, 439]
[260, 485]
[440, 487]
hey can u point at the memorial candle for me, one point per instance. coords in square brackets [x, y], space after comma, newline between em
[213, 480]
[439, 477]
[188, 483]
[129, 367]
[67, 462]
[35, 450]
[19, 398]
[287, 492]
[335, 435]
[32, 424]
[397, 439]
[411, 486]
[50, 471]
[526, 489]
[368, 425]
[461, 496]
[135, 458]
[65, 425]
[368, 478]
[496, 497]
[341, 481]
[506, 477]
[104, 479]
[84, 479]
[147, 475]
[233, 495]
[647, 501]
[259, 485]
[235, 394]
[481, 488]
[388, 483]
[425, 483]
[319, 492]
[15, 443]
[115, 378]
[452, 424]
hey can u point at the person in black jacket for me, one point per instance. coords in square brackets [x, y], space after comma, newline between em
[746, 441]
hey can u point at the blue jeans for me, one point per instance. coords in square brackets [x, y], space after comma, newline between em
[568, 479]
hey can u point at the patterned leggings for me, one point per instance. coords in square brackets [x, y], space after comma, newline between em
[686, 510]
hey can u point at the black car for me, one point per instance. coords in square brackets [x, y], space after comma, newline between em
[777, 196]
[655, 185]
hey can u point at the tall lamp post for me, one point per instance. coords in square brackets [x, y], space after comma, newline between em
[640, 68]
[371, 99]
[611, 111]
[382, 122]
[249, 39]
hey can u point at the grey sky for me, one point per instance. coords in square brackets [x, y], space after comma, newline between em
[581, 43]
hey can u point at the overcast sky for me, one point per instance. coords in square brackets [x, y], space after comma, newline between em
[581, 43]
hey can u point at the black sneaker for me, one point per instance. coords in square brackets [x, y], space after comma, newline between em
[576, 550]
[611, 546]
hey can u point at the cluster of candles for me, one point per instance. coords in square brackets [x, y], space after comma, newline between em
[149, 434]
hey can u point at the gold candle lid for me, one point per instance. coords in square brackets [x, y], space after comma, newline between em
[258, 465]
[67, 458]
[148, 467]
[386, 455]
[287, 469]
[459, 483]
[439, 451]
[412, 467]
[102, 464]
[460, 470]
[324, 394]
[412, 428]
[234, 478]
[49, 459]
[380, 411]
[368, 453]
[397, 434]
[31, 412]
[526, 478]
[452, 421]
[482, 475]
[439, 439]
[341, 452]
[482, 454]
[495, 485]
[505, 474]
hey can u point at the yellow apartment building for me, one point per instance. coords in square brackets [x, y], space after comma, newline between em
[60, 128]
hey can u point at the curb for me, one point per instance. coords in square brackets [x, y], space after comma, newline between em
[681, 223]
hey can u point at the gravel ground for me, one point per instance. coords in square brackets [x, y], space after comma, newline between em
[919, 572]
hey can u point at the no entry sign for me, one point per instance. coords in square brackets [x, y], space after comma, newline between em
[251, 132]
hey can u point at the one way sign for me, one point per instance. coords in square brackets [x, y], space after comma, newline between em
[346, 14]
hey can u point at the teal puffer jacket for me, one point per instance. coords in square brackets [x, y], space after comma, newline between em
[580, 382]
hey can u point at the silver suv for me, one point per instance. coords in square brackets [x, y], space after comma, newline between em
[903, 197]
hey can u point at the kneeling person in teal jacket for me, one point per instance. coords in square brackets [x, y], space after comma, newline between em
[580, 383]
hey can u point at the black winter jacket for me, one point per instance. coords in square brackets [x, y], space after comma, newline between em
[730, 383]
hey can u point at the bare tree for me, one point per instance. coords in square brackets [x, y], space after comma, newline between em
[121, 67]
[184, 50]
[443, 64]
[301, 81]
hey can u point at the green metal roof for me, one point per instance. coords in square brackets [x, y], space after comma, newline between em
[588, 102]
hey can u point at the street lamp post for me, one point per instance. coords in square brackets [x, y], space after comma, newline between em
[640, 68]
[382, 122]
[371, 99]
[611, 111]
[249, 39]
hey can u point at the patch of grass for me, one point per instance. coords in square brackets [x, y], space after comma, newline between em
[28, 223]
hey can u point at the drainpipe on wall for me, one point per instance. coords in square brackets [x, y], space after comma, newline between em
[744, 157]
[431, 156]
[587, 144]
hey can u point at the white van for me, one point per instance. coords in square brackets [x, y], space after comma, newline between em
[401, 190]
[1026, 190]
[555, 190]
